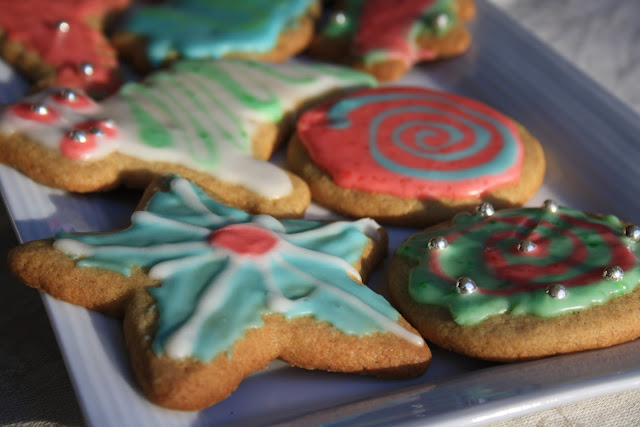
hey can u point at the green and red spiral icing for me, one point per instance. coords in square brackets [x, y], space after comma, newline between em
[571, 248]
[412, 142]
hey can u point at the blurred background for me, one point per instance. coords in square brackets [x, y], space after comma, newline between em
[600, 37]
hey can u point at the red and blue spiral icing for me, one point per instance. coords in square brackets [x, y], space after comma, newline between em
[413, 142]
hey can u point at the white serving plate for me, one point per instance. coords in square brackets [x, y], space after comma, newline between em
[592, 147]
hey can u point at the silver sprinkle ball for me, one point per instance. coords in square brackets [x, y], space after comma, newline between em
[40, 109]
[485, 209]
[340, 18]
[526, 245]
[466, 286]
[95, 130]
[441, 21]
[632, 232]
[63, 26]
[86, 68]
[613, 273]
[68, 94]
[78, 135]
[550, 205]
[109, 123]
[437, 243]
[557, 290]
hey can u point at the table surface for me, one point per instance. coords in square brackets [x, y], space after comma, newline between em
[601, 38]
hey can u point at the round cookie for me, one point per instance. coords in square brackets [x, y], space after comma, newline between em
[413, 156]
[210, 294]
[521, 283]
[266, 30]
[215, 122]
[387, 39]
[62, 43]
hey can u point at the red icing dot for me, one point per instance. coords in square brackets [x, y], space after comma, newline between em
[73, 99]
[28, 111]
[77, 147]
[244, 239]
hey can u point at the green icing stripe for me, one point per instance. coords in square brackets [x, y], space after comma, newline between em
[151, 132]
[427, 23]
[202, 132]
[300, 78]
[271, 107]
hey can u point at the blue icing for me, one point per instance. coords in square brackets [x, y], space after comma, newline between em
[172, 240]
[338, 117]
[214, 28]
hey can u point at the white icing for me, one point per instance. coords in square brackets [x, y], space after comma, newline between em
[183, 189]
[268, 222]
[180, 344]
[206, 102]
[146, 216]
[385, 322]
[328, 258]
[165, 269]
[74, 247]
[367, 226]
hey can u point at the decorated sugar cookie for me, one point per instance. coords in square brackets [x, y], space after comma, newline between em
[271, 30]
[388, 38]
[211, 294]
[212, 121]
[413, 156]
[61, 42]
[521, 283]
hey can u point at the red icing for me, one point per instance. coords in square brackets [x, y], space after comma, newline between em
[33, 24]
[387, 28]
[26, 111]
[244, 239]
[345, 152]
[78, 101]
[73, 149]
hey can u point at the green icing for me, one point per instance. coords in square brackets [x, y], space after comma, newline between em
[347, 74]
[299, 78]
[270, 107]
[334, 28]
[151, 132]
[201, 107]
[428, 22]
[375, 56]
[518, 286]
[209, 157]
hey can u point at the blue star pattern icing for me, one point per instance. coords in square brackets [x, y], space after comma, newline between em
[221, 270]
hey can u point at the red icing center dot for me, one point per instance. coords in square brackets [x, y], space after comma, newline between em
[244, 239]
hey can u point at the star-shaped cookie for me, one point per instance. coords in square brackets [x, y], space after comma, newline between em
[62, 42]
[211, 294]
[214, 122]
